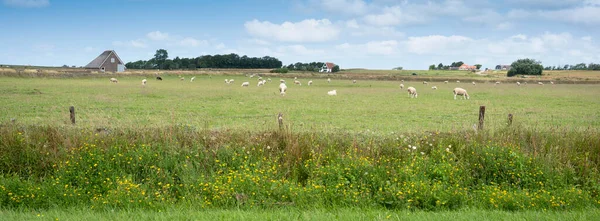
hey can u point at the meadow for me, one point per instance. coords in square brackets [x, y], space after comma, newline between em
[209, 103]
[215, 151]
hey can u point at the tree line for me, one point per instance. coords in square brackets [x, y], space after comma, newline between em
[580, 66]
[454, 65]
[312, 66]
[161, 61]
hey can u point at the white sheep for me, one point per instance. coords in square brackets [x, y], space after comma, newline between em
[144, 82]
[412, 92]
[354, 81]
[269, 79]
[473, 82]
[297, 82]
[231, 81]
[445, 82]
[540, 83]
[551, 82]
[497, 82]
[281, 81]
[425, 82]
[402, 80]
[328, 80]
[246, 84]
[461, 92]
[332, 93]
[182, 78]
[295, 78]
[252, 75]
[282, 89]
[457, 81]
[260, 83]
[259, 78]
[192, 79]
[401, 86]
[434, 87]
[518, 83]
[310, 83]
[114, 80]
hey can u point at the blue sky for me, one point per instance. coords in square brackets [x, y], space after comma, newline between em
[376, 34]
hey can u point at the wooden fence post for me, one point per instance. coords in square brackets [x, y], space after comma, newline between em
[72, 111]
[510, 118]
[481, 117]
[280, 120]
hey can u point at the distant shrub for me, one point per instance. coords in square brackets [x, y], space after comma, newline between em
[280, 70]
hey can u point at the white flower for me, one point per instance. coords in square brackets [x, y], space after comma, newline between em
[447, 149]
[268, 147]
[414, 147]
[422, 153]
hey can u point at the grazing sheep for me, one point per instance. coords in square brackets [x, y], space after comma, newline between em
[297, 82]
[332, 93]
[252, 75]
[473, 82]
[158, 78]
[281, 81]
[540, 83]
[295, 78]
[425, 82]
[260, 83]
[497, 82]
[354, 81]
[412, 92]
[260, 78]
[401, 86]
[402, 80]
[269, 79]
[114, 80]
[328, 80]
[434, 87]
[226, 81]
[231, 81]
[457, 81]
[445, 82]
[182, 78]
[309, 83]
[192, 79]
[282, 89]
[461, 92]
[246, 84]
[518, 83]
[551, 82]
[144, 82]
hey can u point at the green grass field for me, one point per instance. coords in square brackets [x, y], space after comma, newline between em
[379, 106]
[207, 150]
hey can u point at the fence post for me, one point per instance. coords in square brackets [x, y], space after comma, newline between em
[481, 117]
[510, 118]
[72, 111]
[280, 120]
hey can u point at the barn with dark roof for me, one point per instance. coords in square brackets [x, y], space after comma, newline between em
[108, 61]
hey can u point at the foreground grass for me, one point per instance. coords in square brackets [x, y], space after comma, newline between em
[379, 106]
[293, 214]
[44, 167]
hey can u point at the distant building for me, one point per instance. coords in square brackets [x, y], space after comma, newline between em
[327, 67]
[466, 67]
[503, 67]
[108, 61]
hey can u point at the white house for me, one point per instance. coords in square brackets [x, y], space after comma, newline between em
[327, 67]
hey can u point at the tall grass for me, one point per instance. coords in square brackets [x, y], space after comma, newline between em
[153, 168]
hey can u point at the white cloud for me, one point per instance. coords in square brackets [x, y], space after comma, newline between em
[586, 38]
[504, 26]
[299, 50]
[309, 30]
[370, 48]
[393, 16]
[437, 44]
[192, 42]
[27, 3]
[220, 46]
[258, 42]
[157, 36]
[584, 15]
[519, 36]
[352, 24]
[139, 43]
[377, 31]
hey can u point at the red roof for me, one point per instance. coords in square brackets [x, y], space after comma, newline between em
[329, 65]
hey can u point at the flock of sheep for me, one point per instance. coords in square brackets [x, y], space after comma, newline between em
[412, 91]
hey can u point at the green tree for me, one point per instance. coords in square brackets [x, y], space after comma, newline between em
[440, 66]
[397, 68]
[478, 66]
[525, 67]
[335, 68]
[432, 67]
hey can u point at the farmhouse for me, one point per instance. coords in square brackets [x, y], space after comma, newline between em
[504, 67]
[466, 67]
[108, 61]
[327, 67]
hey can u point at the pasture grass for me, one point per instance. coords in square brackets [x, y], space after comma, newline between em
[294, 214]
[379, 106]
